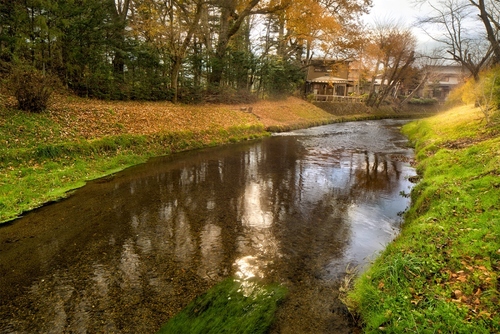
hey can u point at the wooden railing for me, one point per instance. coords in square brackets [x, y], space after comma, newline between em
[337, 98]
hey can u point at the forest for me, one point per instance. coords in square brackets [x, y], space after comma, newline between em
[176, 50]
[226, 51]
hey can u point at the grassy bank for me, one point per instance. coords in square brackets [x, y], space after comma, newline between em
[43, 156]
[442, 274]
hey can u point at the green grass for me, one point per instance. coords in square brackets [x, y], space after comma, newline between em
[230, 307]
[442, 274]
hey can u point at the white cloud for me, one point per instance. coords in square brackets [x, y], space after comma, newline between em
[403, 12]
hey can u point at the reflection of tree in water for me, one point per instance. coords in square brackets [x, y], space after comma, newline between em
[380, 174]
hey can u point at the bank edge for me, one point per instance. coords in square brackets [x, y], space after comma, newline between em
[442, 273]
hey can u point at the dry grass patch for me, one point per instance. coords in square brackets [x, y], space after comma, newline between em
[289, 112]
[95, 118]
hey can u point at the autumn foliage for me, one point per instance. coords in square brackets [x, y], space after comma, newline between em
[170, 50]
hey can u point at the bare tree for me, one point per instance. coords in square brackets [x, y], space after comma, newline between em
[489, 14]
[455, 26]
[425, 63]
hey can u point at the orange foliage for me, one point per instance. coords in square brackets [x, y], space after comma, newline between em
[91, 119]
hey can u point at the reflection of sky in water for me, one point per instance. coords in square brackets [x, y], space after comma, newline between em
[254, 215]
[366, 184]
[211, 250]
[257, 218]
[372, 213]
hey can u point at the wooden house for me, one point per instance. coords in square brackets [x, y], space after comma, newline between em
[330, 80]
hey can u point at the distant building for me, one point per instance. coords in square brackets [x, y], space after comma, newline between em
[442, 80]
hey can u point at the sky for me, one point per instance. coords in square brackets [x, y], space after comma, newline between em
[384, 10]
[399, 11]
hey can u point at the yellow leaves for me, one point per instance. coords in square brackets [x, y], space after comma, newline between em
[307, 18]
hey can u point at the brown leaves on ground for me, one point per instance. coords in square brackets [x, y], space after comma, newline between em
[468, 287]
[288, 112]
[89, 118]
[95, 118]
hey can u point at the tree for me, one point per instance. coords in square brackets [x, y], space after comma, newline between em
[486, 92]
[119, 10]
[149, 49]
[455, 27]
[231, 16]
[490, 18]
[170, 26]
[392, 50]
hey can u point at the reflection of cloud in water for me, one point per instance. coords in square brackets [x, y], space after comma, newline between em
[144, 244]
[210, 204]
[249, 268]
[257, 245]
[101, 279]
[371, 229]
[253, 214]
[184, 246]
[280, 210]
[129, 266]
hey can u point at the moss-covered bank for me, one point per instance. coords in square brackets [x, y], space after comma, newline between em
[442, 274]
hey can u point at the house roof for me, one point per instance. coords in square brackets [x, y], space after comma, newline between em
[329, 79]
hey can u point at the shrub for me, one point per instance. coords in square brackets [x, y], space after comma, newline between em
[32, 89]
[487, 93]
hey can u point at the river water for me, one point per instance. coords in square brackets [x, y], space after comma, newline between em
[125, 253]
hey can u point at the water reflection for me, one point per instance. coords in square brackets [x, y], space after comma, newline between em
[125, 255]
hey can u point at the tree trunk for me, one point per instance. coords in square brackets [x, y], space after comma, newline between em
[174, 77]
[119, 12]
[180, 53]
[230, 23]
[370, 101]
[408, 98]
[492, 36]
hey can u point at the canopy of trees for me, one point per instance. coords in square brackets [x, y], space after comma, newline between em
[392, 51]
[174, 49]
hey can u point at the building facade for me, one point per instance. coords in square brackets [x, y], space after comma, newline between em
[327, 80]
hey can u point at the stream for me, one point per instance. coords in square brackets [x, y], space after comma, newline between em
[127, 252]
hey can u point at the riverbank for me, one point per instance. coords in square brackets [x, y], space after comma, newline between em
[45, 156]
[442, 273]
